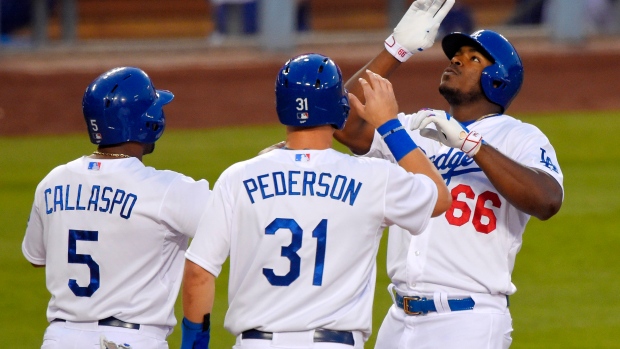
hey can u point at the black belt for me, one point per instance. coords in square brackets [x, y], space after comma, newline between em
[320, 335]
[421, 305]
[112, 321]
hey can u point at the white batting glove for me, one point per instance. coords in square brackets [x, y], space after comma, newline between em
[418, 28]
[106, 344]
[448, 131]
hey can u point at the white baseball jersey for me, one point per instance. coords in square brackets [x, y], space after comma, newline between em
[112, 235]
[472, 247]
[302, 229]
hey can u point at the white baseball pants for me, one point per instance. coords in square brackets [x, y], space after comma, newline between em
[85, 335]
[467, 329]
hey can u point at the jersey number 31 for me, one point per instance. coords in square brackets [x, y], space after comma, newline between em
[290, 251]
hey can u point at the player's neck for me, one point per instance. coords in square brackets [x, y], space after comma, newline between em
[320, 137]
[121, 151]
[474, 112]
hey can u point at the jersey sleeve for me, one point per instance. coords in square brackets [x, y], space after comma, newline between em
[410, 200]
[534, 150]
[184, 203]
[33, 246]
[211, 245]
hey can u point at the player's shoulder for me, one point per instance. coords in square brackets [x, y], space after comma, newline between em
[509, 124]
[366, 164]
[164, 178]
[59, 170]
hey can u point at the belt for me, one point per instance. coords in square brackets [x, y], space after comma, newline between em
[421, 305]
[320, 335]
[112, 321]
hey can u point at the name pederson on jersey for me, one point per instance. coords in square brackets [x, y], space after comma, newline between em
[302, 229]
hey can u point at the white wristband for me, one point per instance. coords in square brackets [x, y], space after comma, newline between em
[472, 144]
[398, 51]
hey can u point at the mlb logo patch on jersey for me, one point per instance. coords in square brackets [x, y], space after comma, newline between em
[94, 166]
[302, 157]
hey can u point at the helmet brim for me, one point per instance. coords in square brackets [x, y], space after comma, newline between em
[164, 97]
[453, 42]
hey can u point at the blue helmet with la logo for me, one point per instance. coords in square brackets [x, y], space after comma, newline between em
[310, 92]
[502, 80]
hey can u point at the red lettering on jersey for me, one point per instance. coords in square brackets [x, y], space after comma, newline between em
[480, 210]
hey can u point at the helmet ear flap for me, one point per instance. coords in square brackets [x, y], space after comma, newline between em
[494, 83]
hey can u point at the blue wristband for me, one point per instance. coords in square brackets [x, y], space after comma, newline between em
[389, 127]
[189, 332]
[396, 138]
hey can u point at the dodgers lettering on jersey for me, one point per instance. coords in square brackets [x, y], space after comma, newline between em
[308, 183]
[453, 163]
[106, 199]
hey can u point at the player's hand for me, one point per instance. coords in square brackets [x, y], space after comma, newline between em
[278, 145]
[381, 104]
[448, 131]
[418, 28]
[106, 344]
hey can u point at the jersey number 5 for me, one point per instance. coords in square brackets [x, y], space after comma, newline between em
[290, 251]
[74, 257]
[481, 225]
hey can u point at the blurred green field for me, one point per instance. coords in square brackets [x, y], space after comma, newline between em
[567, 272]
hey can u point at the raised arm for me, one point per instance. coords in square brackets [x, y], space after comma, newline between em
[379, 112]
[415, 32]
[357, 134]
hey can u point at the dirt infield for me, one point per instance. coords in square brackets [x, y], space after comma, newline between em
[41, 91]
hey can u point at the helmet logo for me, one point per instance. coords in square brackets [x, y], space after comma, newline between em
[476, 34]
[302, 116]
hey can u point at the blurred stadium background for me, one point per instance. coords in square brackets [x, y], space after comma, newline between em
[224, 112]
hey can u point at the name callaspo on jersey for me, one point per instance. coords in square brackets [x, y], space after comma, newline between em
[97, 199]
[306, 183]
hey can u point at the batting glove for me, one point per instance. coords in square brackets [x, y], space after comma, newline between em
[418, 28]
[447, 130]
[195, 335]
[106, 344]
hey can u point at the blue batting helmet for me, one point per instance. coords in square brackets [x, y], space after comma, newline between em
[500, 81]
[122, 105]
[310, 92]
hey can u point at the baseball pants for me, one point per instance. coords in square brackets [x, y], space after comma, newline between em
[296, 340]
[467, 329]
[85, 335]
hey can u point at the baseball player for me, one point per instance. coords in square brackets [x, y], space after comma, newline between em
[450, 285]
[302, 224]
[111, 232]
